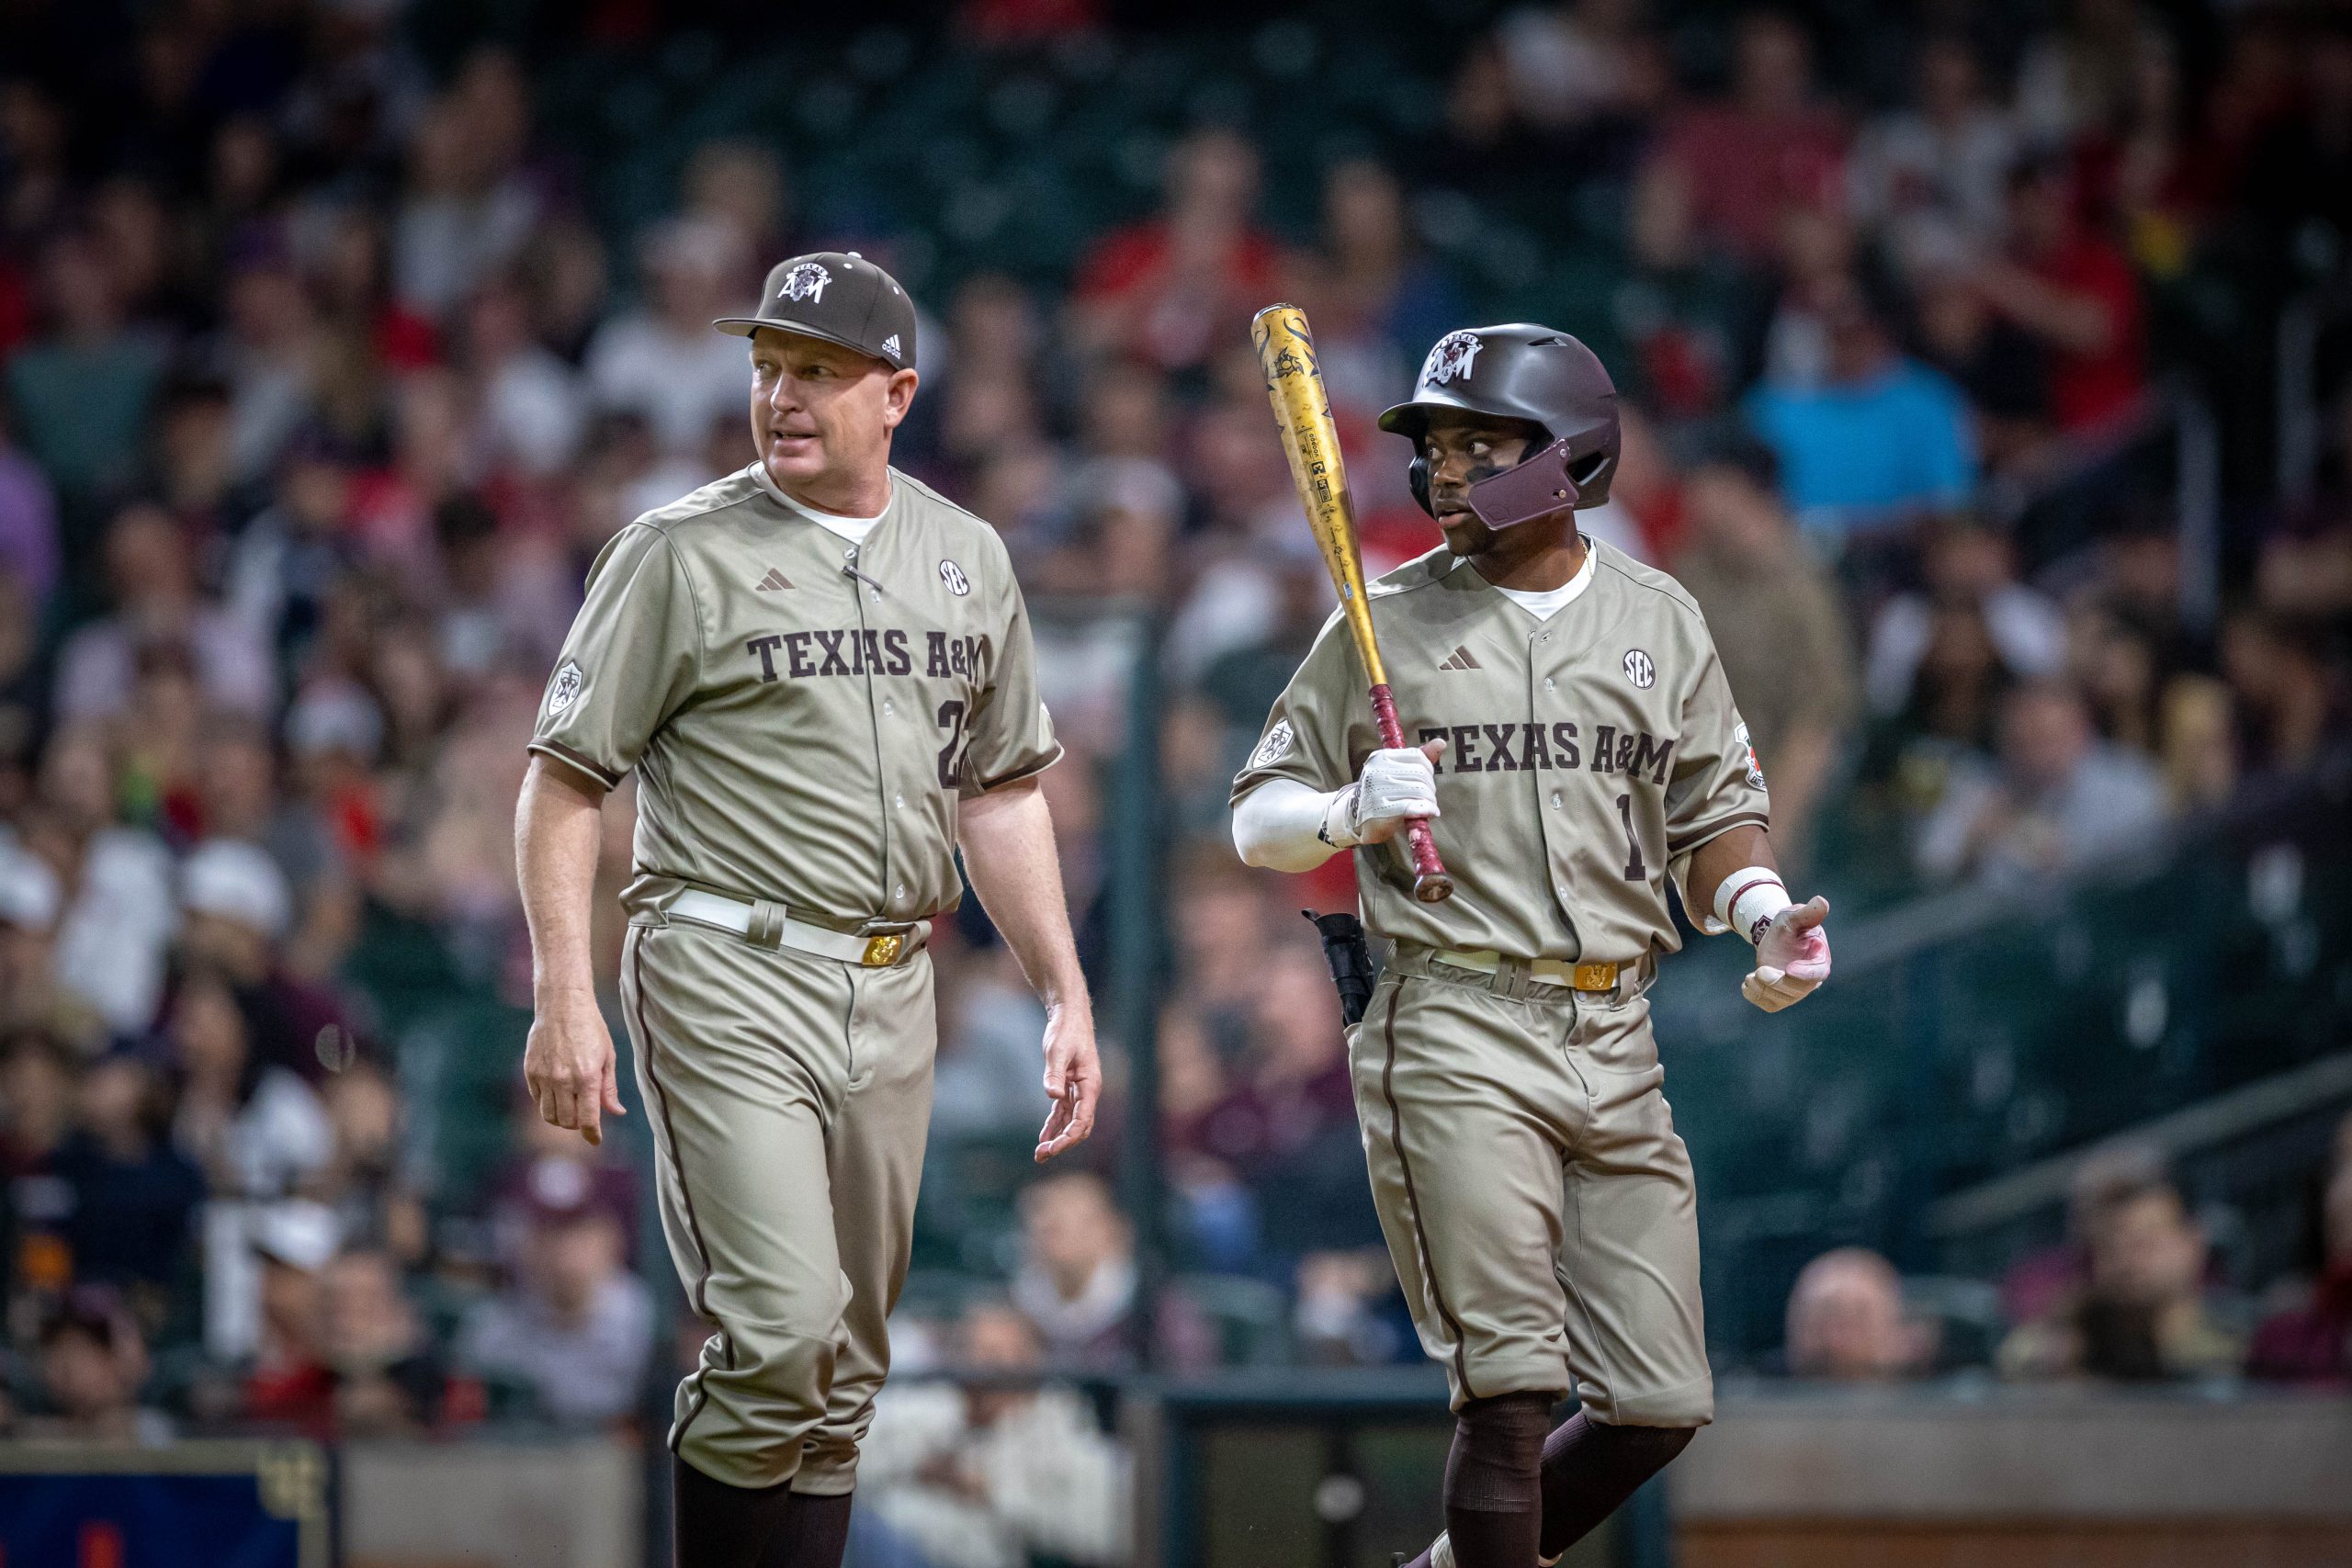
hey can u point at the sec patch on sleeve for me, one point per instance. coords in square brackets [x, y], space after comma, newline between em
[1274, 747]
[564, 690]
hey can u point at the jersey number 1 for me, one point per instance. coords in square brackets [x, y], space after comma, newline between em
[951, 756]
[1635, 870]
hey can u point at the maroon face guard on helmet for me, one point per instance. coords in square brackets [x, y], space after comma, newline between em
[1540, 485]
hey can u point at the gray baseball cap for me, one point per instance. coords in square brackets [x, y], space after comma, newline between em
[838, 296]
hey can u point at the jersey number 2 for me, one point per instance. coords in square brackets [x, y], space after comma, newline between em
[1635, 870]
[951, 756]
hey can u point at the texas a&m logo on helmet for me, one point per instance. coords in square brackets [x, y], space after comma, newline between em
[1453, 356]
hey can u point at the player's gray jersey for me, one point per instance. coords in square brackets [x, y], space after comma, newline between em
[804, 714]
[1587, 755]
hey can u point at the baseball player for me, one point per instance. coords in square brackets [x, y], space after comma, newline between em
[822, 674]
[1579, 747]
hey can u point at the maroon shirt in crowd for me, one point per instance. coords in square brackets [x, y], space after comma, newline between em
[2312, 1344]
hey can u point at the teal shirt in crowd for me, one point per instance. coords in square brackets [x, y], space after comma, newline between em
[1857, 454]
[81, 409]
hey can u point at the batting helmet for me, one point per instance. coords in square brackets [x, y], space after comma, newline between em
[1524, 372]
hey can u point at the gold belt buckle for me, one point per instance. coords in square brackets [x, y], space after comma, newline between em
[1595, 977]
[883, 951]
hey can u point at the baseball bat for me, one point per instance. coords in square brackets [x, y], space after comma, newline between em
[1311, 442]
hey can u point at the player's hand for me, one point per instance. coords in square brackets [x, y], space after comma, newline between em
[1073, 1077]
[1791, 956]
[1397, 783]
[569, 1067]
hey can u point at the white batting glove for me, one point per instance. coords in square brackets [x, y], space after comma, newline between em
[1397, 782]
[1791, 956]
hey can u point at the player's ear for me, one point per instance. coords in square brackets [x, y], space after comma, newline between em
[899, 397]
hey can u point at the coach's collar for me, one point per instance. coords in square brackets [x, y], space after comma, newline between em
[833, 520]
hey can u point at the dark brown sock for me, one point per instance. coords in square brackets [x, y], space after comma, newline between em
[1590, 1469]
[1494, 1501]
[713, 1524]
[815, 1534]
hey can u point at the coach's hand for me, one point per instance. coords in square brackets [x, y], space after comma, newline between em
[1073, 1077]
[1791, 956]
[569, 1065]
[1398, 784]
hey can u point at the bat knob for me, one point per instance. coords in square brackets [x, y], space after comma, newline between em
[1434, 888]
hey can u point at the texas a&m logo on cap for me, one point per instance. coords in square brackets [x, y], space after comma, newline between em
[807, 282]
[1453, 355]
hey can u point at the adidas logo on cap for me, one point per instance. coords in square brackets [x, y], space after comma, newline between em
[771, 581]
[1460, 660]
[891, 345]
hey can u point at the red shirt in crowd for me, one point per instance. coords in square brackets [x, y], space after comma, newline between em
[1178, 313]
[1745, 169]
[2086, 388]
[404, 340]
[1028, 21]
[302, 1395]
[16, 310]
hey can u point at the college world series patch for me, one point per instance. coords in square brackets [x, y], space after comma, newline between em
[564, 690]
[1755, 769]
[1274, 747]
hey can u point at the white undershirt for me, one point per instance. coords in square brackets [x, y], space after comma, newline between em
[1547, 603]
[854, 530]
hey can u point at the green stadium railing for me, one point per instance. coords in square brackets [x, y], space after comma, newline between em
[1971, 1034]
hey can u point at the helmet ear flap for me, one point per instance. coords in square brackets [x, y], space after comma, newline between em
[1417, 479]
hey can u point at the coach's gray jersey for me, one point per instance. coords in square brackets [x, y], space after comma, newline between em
[1587, 755]
[803, 714]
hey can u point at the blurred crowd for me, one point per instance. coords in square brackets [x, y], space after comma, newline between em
[2138, 1293]
[321, 382]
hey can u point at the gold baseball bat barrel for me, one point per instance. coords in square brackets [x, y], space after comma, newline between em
[1311, 442]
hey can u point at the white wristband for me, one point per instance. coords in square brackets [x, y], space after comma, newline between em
[1339, 829]
[1748, 899]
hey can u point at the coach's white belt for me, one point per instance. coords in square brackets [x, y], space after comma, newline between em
[766, 925]
[1557, 971]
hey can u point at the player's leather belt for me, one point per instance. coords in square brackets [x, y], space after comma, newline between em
[1553, 971]
[765, 924]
